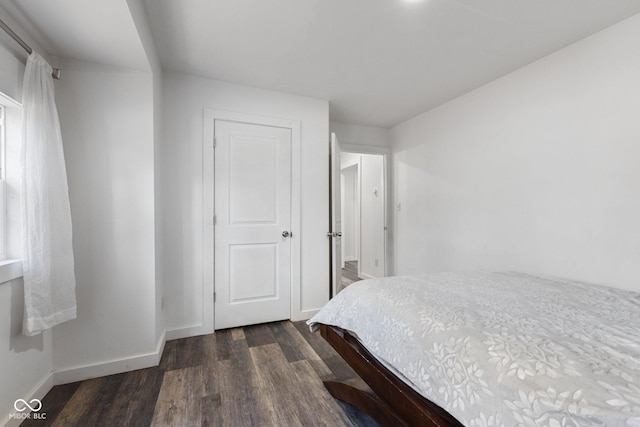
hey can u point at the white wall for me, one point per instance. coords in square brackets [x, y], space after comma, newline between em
[537, 171]
[372, 196]
[25, 362]
[141, 21]
[11, 72]
[185, 97]
[111, 125]
[349, 159]
[106, 118]
[13, 57]
[348, 133]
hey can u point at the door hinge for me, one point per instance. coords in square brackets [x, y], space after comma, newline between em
[215, 219]
[215, 140]
[214, 297]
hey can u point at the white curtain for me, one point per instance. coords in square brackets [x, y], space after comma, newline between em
[47, 251]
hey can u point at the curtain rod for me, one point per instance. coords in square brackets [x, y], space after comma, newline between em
[56, 71]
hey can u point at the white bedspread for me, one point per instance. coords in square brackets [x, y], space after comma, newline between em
[503, 349]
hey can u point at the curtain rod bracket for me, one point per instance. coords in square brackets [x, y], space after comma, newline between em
[56, 71]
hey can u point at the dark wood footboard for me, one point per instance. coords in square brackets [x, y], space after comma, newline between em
[393, 403]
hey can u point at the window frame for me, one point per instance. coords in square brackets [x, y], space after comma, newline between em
[10, 217]
[3, 198]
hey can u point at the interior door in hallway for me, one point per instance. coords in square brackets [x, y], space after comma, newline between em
[252, 248]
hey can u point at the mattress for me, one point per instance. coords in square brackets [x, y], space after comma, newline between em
[503, 348]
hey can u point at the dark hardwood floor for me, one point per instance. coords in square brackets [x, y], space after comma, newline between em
[262, 375]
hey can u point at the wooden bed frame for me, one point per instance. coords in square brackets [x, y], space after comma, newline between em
[390, 401]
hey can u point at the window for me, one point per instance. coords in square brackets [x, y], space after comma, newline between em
[10, 136]
[3, 204]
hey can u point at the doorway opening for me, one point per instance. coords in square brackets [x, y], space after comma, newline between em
[358, 210]
[363, 201]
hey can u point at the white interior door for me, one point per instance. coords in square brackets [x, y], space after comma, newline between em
[336, 226]
[252, 248]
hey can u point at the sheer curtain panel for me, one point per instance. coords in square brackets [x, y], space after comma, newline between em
[49, 278]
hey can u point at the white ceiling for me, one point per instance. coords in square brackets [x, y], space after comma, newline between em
[99, 31]
[378, 62]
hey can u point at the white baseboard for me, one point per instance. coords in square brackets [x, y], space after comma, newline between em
[365, 276]
[189, 331]
[305, 315]
[350, 258]
[111, 367]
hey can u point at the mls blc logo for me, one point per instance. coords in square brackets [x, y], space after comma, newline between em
[22, 405]
[33, 407]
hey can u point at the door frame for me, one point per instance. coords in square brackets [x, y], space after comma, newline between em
[385, 152]
[208, 207]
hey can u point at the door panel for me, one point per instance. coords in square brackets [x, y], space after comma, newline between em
[253, 208]
[252, 272]
[253, 179]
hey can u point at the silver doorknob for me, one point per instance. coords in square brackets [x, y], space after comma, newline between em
[334, 234]
[287, 234]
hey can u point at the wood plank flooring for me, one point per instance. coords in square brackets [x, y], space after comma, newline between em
[261, 375]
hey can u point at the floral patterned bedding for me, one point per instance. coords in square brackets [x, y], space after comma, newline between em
[503, 349]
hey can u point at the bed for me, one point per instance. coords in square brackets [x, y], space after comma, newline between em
[488, 349]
